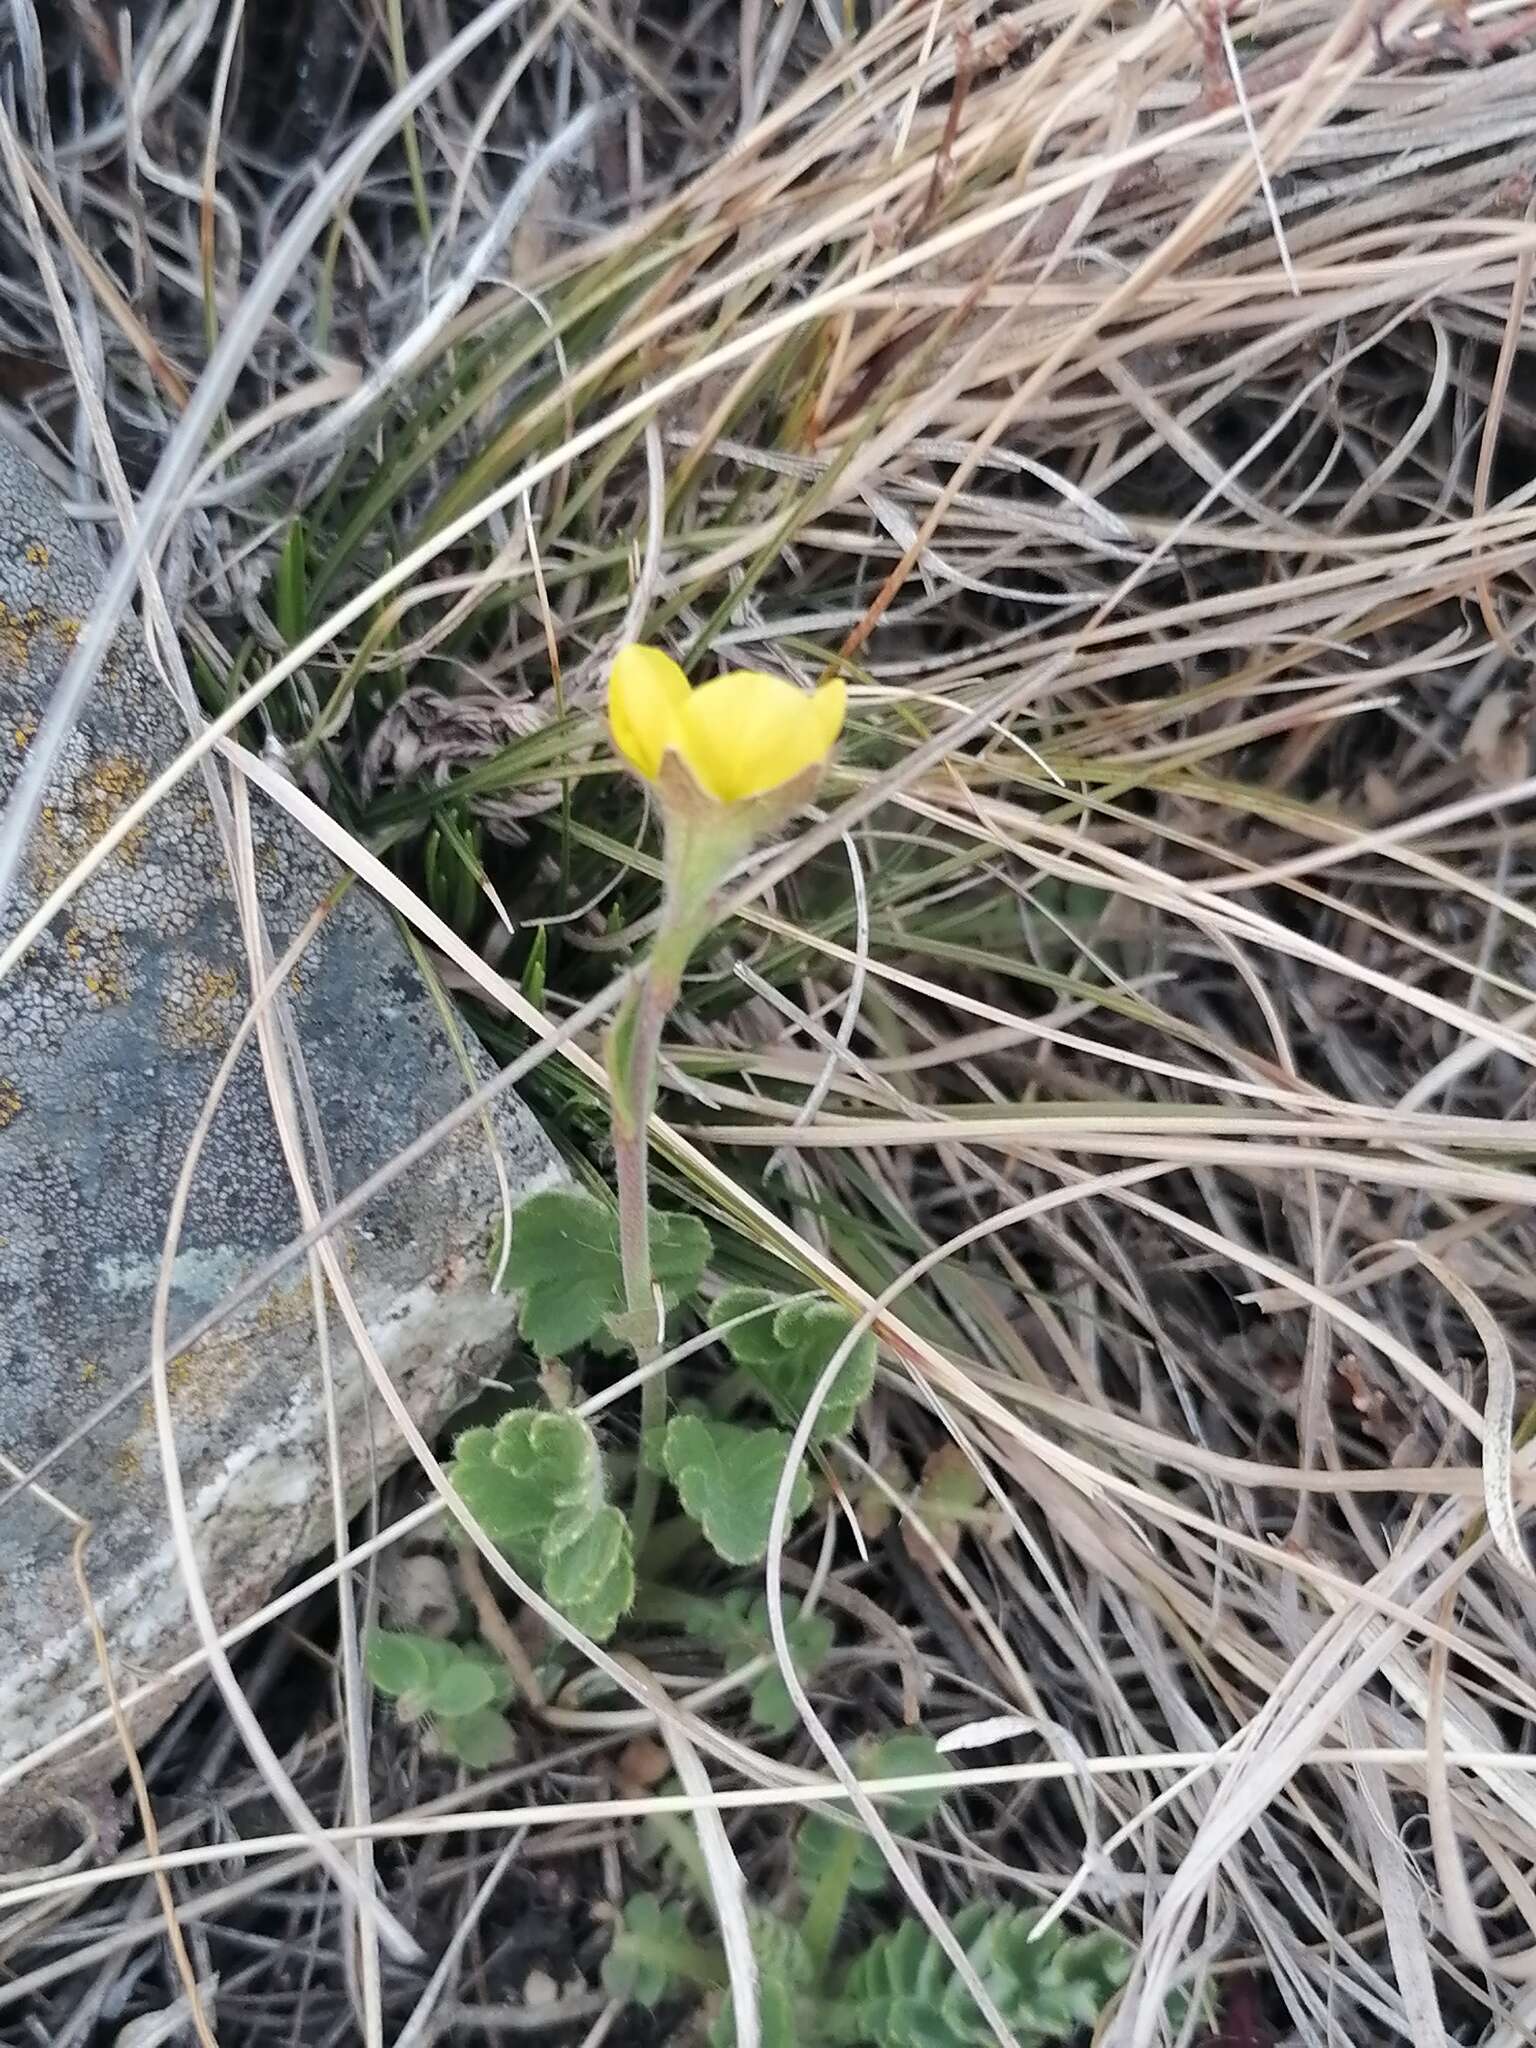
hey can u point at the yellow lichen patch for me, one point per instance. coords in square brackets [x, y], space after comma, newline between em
[15, 639]
[106, 790]
[181, 1374]
[10, 1103]
[203, 1005]
[201, 1377]
[23, 733]
[47, 856]
[88, 1371]
[37, 554]
[283, 1307]
[67, 831]
[105, 973]
[104, 986]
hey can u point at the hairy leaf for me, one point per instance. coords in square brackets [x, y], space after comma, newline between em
[446, 1682]
[823, 1837]
[480, 1740]
[564, 1259]
[463, 1688]
[779, 2018]
[503, 1691]
[785, 1973]
[737, 1626]
[410, 1667]
[520, 1476]
[653, 1953]
[726, 1478]
[903, 1993]
[395, 1661]
[787, 1348]
[537, 1482]
[953, 1497]
[908, 1754]
[589, 1570]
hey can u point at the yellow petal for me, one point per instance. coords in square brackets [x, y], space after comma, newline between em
[647, 693]
[746, 733]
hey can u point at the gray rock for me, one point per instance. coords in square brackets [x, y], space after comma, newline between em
[110, 1033]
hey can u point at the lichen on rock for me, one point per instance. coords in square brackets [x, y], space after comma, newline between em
[111, 1030]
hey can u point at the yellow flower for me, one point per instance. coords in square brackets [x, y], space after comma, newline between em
[738, 736]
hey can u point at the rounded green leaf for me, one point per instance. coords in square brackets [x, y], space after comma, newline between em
[910, 1754]
[396, 1662]
[727, 1478]
[479, 1740]
[464, 1688]
[503, 1690]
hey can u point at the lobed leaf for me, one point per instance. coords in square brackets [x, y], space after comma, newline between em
[520, 1476]
[538, 1485]
[589, 1570]
[787, 1349]
[564, 1260]
[726, 1478]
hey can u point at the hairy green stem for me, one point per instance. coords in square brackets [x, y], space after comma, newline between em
[633, 1047]
[702, 845]
[635, 1254]
[828, 1901]
[683, 1843]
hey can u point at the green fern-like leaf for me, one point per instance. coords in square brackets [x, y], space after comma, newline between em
[786, 1982]
[778, 2018]
[828, 1840]
[653, 1954]
[736, 1624]
[903, 1993]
